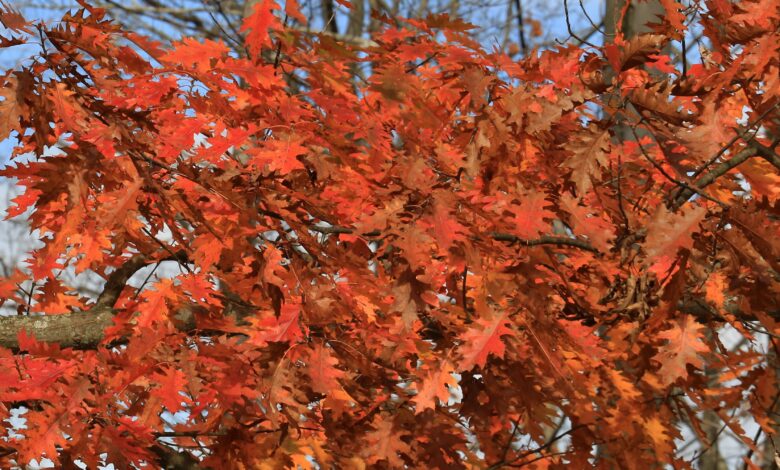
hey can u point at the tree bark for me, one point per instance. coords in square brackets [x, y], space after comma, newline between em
[637, 18]
[70, 330]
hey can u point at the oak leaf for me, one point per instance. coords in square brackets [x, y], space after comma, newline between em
[384, 443]
[668, 233]
[589, 155]
[685, 346]
[435, 385]
[482, 340]
[172, 382]
[258, 24]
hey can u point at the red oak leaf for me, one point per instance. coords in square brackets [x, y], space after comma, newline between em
[483, 339]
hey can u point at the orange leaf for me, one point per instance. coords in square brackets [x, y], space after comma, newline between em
[668, 233]
[685, 346]
[435, 385]
[258, 24]
[171, 382]
[482, 340]
[321, 367]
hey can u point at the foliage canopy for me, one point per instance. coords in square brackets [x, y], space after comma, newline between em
[414, 265]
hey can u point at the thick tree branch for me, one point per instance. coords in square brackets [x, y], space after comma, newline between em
[83, 329]
[86, 329]
[76, 329]
[70, 330]
[117, 281]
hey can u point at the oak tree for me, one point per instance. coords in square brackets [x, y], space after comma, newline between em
[457, 260]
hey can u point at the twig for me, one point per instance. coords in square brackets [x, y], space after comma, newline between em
[536, 459]
[146, 280]
[497, 236]
[710, 177]
[463, 293]
[731, 142]
[346, 38]
[749, 455]
[166, 248]
[621, 206]
[590, 20]
[539, 449]
[511, 439]
[571, 32]
[421, 63]
[192, 434]
[279, 46]
[29, 298]
[671, 178]
[520, 28]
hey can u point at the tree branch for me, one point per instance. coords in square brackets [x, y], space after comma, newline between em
[766, 153]
[117, 281]
[542, 448]
[85, 329]
[716, 173]
[70, 330]
[76, 329]
[497, 236]
[82, 329]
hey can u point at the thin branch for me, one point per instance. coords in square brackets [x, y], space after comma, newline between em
[192, 434]
[571, 32]
[710, 177]
[520, 28]
[497, 236]
[225, 34]
[596, 27]
[29, 298]
[464, 297]
[536, 459]
[545, 240]
[545, 446]
[671, 178]
[621, 206]
[731, 142]
[346, 38]
[515, 427]
[224, 15]
[749, 455]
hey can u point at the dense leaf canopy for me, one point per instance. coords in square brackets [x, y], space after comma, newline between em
[408, 252]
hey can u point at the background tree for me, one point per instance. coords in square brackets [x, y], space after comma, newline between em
[371, 271]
